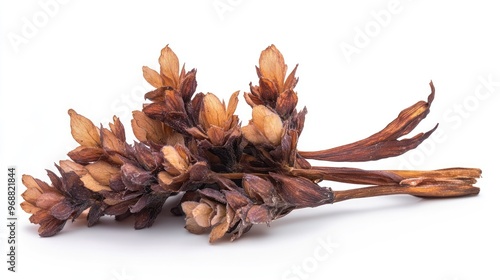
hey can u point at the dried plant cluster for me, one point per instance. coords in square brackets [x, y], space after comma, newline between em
[229, 176]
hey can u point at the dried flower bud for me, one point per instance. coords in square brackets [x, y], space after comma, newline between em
[301, 192]
[147, 129]
[83, 130]
[177, 160]
[230, 177]
[206, 215]
[273, 67]
[259, 189]
[85, 154]
[265, 127]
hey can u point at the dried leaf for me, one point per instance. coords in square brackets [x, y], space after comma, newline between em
[384, 143]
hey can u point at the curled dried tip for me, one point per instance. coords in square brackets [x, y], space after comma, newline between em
[385, 143]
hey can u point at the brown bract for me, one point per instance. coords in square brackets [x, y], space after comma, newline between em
[229, 176]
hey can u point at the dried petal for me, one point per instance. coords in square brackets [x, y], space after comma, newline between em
[111, 143]
[220, 214]
[258, 214]
[135, 175]
[152, 77]
[172, 156]
[193, 227]
[188, 85]
[236, 200]
[202, 214]
[216, 135]
[218, 231]
[83, 130]
[188, 207]
[85, 154]
[169, 67]
[92, 184]
[47, 200]
[259, 189]
[68, 166]
[232, 104]
[267, 123]
[287, 100]
[102, 171]
[62, 210]
[31, 194]
[29, 208]
[147, 129]
[213, 112]
[51, 227]
[253, 134]
[272, 66]
[117, 128]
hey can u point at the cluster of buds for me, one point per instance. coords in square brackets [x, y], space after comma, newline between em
[228, 177]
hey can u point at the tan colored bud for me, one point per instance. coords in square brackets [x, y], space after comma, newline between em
[169, 67]
[265, 127]
[68, 166]
[112, 143]
[272, 66]
[84, 154]
[83, 130]
[92, 184]
[177, 162]
[301, 192]
[102, 171]
[258, 189]
[202, 214]
[213, 112]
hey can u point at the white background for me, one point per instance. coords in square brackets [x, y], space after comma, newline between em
[87, 55]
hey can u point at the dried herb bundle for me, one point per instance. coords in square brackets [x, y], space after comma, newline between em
[230, 176]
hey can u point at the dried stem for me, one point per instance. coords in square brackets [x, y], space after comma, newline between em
[426, 191]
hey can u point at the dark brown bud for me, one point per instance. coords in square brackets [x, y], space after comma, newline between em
[301, 192]
[259, 190]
